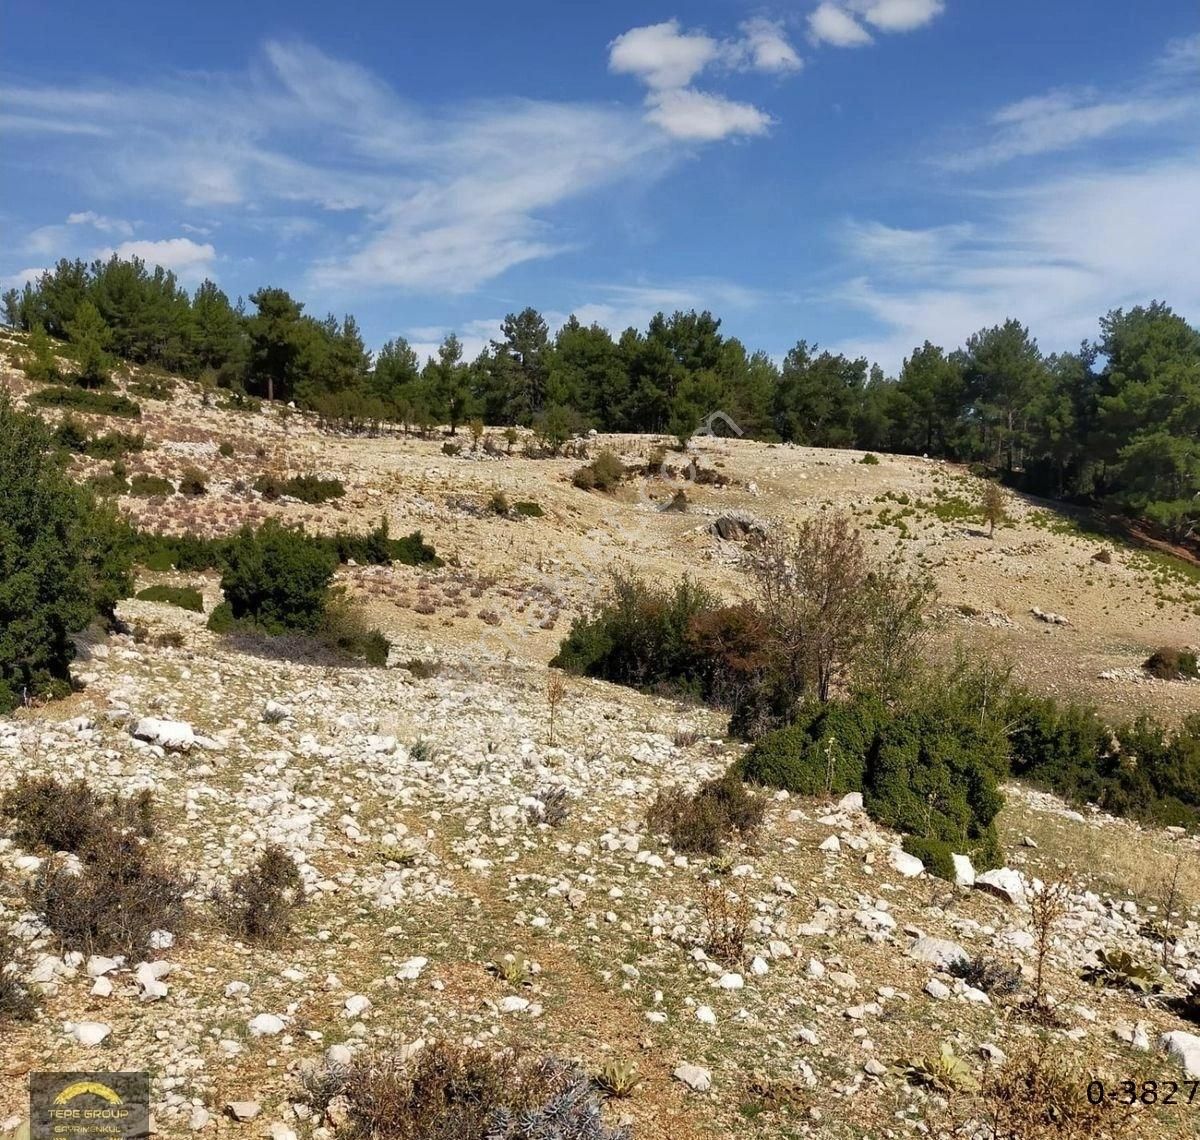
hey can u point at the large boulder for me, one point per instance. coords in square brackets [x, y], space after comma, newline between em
[736, 528]
[1003, 882]
[173, 735]
[940, 952]
[964, 872]
[1185, 1049]
[908, 865]
[696, 1078]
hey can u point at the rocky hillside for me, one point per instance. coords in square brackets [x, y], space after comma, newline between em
[442, 825]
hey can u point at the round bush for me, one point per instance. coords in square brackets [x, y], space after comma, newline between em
[823, 753]
[277, 578]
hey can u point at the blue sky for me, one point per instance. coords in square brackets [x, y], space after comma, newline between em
[860, 173]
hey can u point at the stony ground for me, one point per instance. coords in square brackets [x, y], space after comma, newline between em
[409, 800]
[512, 585]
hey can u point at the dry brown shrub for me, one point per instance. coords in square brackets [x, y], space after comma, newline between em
[726, 922]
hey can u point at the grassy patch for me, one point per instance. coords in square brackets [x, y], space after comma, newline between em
[185, 597]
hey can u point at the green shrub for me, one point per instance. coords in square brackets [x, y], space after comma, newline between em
[934, 853]
[307, 488]
[86, 400]
[585, 478]
[153, 387]
[185, 552]
[933, 771]
[71, 435]
[147, 486]
[185, 597]
[638, 635]
[929, 766]
[193, 482]
[277, 579]
[221, 619]
[114, 483]
[672, 639]
[870, 459]
[824, 753]
[1063, 748]
[39, 363]
[1140, 769]
[225, 450]
[376, 548]
[115, 444]
[602, 474]
[1170, 663]
[64, 561]
[188, 552]
[528, 510]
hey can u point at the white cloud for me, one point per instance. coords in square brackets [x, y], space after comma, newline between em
[828, 23]
[667, 59]
[1061, 119]
[618, 307]
[874, 241]
[436, 200]
[503, 166]
[474, 336]
[840, 22]
[898, 15]
[765, 45]
[1182, 56]
[701, 117]
[46, 240]
[185, 258]
[662, 55]
[1055, 254]
[19, 279]
[44, 124]
[100, 222]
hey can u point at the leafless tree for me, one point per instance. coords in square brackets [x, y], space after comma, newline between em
[827, 608]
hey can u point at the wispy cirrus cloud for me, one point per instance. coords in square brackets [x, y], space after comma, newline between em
[100, 222]
[1056, 253]
[1181, 56]
[441, 200]
[1061, 120]
[1066, 118]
